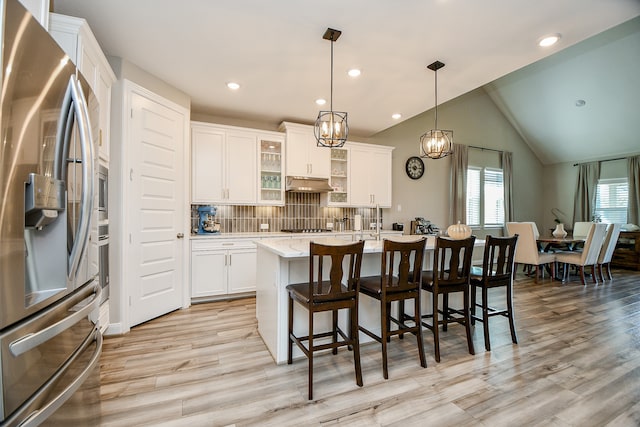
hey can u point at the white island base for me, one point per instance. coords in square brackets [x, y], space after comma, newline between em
[282, 262]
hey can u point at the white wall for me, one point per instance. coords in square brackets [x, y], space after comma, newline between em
[124, 69]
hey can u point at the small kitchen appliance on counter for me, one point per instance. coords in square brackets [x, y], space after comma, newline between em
[206, 220]
[423, 226]
[340, 224]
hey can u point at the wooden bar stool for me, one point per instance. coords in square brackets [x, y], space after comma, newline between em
[496, 272]
[329, 294]
[450, 274]
[389, 287]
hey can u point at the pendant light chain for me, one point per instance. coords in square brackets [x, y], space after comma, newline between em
[436, 96]
[436, 143]
[331, 128]
[331, 91]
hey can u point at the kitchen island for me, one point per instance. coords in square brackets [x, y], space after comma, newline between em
[282, 262]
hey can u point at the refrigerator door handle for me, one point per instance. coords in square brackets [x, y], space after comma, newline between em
[38, 416]
[81, 110]
[31, 341]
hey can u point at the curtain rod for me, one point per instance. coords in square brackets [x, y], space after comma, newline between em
[607, 160]
[483, 148]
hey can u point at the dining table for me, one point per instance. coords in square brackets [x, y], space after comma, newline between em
[553, 244]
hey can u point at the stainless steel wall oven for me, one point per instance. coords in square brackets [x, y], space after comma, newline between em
[103, 193]
[103, 260]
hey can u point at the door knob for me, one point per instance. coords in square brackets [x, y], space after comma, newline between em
[180, 235]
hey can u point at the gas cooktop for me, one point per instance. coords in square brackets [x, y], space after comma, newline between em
[305, 230]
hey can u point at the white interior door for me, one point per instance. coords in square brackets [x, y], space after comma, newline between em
[156, 210]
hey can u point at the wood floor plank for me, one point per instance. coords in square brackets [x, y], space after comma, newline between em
[577, 363]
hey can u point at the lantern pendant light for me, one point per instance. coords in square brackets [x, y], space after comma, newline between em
[331, 128]
[436, 143]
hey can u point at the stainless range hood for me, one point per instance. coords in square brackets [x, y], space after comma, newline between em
[301, 184]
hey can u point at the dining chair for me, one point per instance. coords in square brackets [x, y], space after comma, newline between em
[329, 293]
[608, 247]
[496, 272]
[451, 274]
[588, 256]
[581, 229]
[527, 250]
[399, 284]
[536, 233]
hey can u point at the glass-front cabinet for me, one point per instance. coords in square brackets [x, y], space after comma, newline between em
[271, 161]
[339, 178]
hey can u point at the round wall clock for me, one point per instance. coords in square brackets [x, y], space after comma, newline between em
[414, 167]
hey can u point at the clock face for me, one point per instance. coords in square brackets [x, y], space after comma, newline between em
[414, 167]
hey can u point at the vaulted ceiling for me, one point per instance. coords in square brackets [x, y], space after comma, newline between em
[275, 51]
[580, 104]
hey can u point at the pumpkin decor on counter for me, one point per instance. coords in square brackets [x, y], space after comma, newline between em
[459, 231]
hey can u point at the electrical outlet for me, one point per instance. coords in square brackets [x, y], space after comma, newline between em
[264, 226]
[330, 226]
[372, 225]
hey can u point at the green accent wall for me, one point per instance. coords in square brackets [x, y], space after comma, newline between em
[476, 121]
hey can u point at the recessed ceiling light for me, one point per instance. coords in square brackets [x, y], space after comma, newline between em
[581, 103]
[549, 40]
[233, 86]
[396, 116]
[321, 101]
[354, 72]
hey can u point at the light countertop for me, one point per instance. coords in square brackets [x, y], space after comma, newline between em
[299, 247]
[277, 234]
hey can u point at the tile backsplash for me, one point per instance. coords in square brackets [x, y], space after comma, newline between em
[301, 210]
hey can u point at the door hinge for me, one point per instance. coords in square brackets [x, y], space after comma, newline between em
[132, 113]
[129, 301]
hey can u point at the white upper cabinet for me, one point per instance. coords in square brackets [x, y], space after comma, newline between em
[304, 157]
[223, 165]
[207, 162]
[271, 152]
[77, 40]
[39, 9]
[370, 175]
[339, 180]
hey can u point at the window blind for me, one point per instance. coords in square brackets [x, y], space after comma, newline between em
[612, 199]
[473, 196]
[485, 197]
[493, 197]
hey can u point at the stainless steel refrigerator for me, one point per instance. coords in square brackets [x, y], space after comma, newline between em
[49, 346]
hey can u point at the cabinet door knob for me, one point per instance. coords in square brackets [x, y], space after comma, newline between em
[180, 235]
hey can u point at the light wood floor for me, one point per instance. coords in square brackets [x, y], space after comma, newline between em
[577, 364]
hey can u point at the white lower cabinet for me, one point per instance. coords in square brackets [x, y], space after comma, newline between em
[222, 267]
